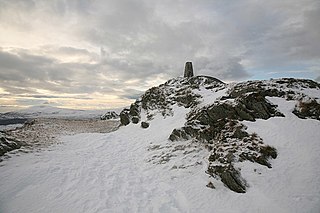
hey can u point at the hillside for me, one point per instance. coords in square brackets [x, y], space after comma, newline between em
[190, 144]
[215, 112]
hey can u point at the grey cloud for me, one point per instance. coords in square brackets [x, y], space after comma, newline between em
[131, 94]
[23, 66]
[22, 73]
[224, 68]
[142, 39]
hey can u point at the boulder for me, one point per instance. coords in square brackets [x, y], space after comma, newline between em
[135, 119]
[144, 124]
[124, 117]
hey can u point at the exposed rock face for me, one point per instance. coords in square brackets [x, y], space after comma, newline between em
[217, 123]
[160, 99]
[188, 70]
[8, 143]
[131, 115]
[307, 109]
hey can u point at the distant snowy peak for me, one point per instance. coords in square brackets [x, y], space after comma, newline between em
[216, 112]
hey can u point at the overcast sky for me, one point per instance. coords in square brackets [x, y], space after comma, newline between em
[105, 53]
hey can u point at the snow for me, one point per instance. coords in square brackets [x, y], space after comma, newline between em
[11, 126]
[294, 180]
[208, 96]
[140, 170]
[44, 111]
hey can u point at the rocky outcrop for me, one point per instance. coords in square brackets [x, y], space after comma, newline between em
[110, 115]
[307, 109]
[217, 124]
[179, 91]
[131, 115]
[8, 143]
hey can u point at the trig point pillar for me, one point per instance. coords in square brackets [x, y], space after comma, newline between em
[188, 70]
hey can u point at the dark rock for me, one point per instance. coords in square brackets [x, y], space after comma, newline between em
[134, 110]
[268, 151]
[124, 117]
[144, 124]
[232, 179]
[8, 143]
[135, 119]
[178, 134]
[210, 185]
[307, 109]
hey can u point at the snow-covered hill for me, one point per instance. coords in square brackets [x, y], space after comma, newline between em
[215, 116]
[188, 145]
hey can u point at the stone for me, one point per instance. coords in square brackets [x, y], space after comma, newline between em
[231, 178]
[188, 70]
[124, 117]
[8, 144]
[134, 110]
[307, 109]
[135, 119]
[210, 185]
[144, 125]
[109, 115]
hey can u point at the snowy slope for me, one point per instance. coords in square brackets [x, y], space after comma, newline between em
[140, 170]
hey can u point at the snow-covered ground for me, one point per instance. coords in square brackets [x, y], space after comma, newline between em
[45, 111]
[139, 170]
[11, 126]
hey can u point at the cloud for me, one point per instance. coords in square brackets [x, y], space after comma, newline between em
[120, 48]
[223, 68]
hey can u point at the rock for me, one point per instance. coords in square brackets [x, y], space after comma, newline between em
[188, 70]
[232, 180]
[135, 109]
[8, 144]
[135, 119]
[210, 185]
[307, 109]
[124, 117]
[144, 124]
[109, 115]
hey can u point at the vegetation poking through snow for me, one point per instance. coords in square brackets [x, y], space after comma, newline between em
[307, 109]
